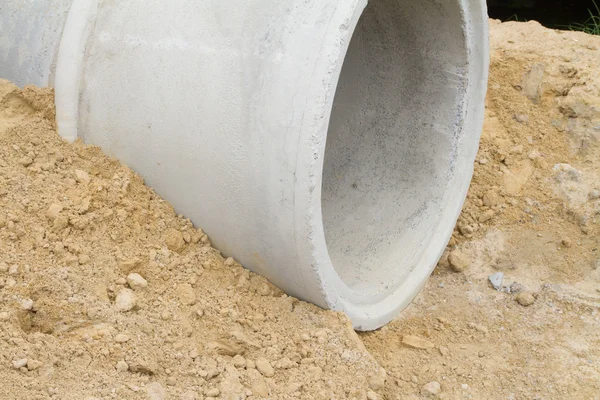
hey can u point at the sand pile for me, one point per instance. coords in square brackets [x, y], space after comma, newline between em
[106, 293]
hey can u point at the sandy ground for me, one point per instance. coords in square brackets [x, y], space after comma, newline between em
[106, 293]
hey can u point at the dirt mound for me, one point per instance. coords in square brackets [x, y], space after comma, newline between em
[106, 293]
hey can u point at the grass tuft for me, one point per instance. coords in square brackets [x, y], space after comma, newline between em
[592, 24]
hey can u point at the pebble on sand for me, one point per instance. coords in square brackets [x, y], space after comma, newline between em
[125, 300]
[431, 389]
[136, 281]
[17, 364]
[264, 367]
[416, 342]
[458, 261]
[496, 280]
[525, 299]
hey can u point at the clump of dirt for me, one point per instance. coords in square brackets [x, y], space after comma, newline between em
[530, 226]
[106, 293]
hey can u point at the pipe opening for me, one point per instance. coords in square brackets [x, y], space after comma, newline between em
[392, 140]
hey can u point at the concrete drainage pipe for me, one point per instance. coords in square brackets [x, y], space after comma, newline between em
[327, 145]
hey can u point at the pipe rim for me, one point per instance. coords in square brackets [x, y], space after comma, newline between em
[369, 312]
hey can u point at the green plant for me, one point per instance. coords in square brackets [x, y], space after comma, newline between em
[592, 24]
[515, 18]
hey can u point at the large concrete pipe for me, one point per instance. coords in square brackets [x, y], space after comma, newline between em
[325, 144]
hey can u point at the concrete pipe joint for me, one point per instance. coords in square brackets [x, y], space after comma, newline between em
[327, 145]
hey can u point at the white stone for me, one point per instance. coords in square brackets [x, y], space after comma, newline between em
[431, 389]
[19, 363]
[125, 300]
[26, 304]
[136, 281]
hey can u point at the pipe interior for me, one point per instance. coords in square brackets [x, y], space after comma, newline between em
[392, 139]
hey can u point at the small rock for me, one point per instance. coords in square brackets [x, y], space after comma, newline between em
[478, 327]
[566, 242]
[466, 230]
[125, 300]
[136, 281]
[18, 364]
[171, 381]
[594, 194]
[155, 391]
[4, 316]
[444, 350]
[239, 361]
[127, 266]
[458, 261]
[25, 161]
[263, 289]
[525, 299]
[416, 342]
[229, 261]
[496, 280]
[486, 216]
[174, 240]
[122, 338]
[522, 118]
[186, 294]
[515, 287]
[32, 365]
[194, 353]
[26, 304]
[532, 82]
[264, 367]
[431, 389]
[53, 211]
[371, 395]
[13, 270]
[82, 177]
[122, 366]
